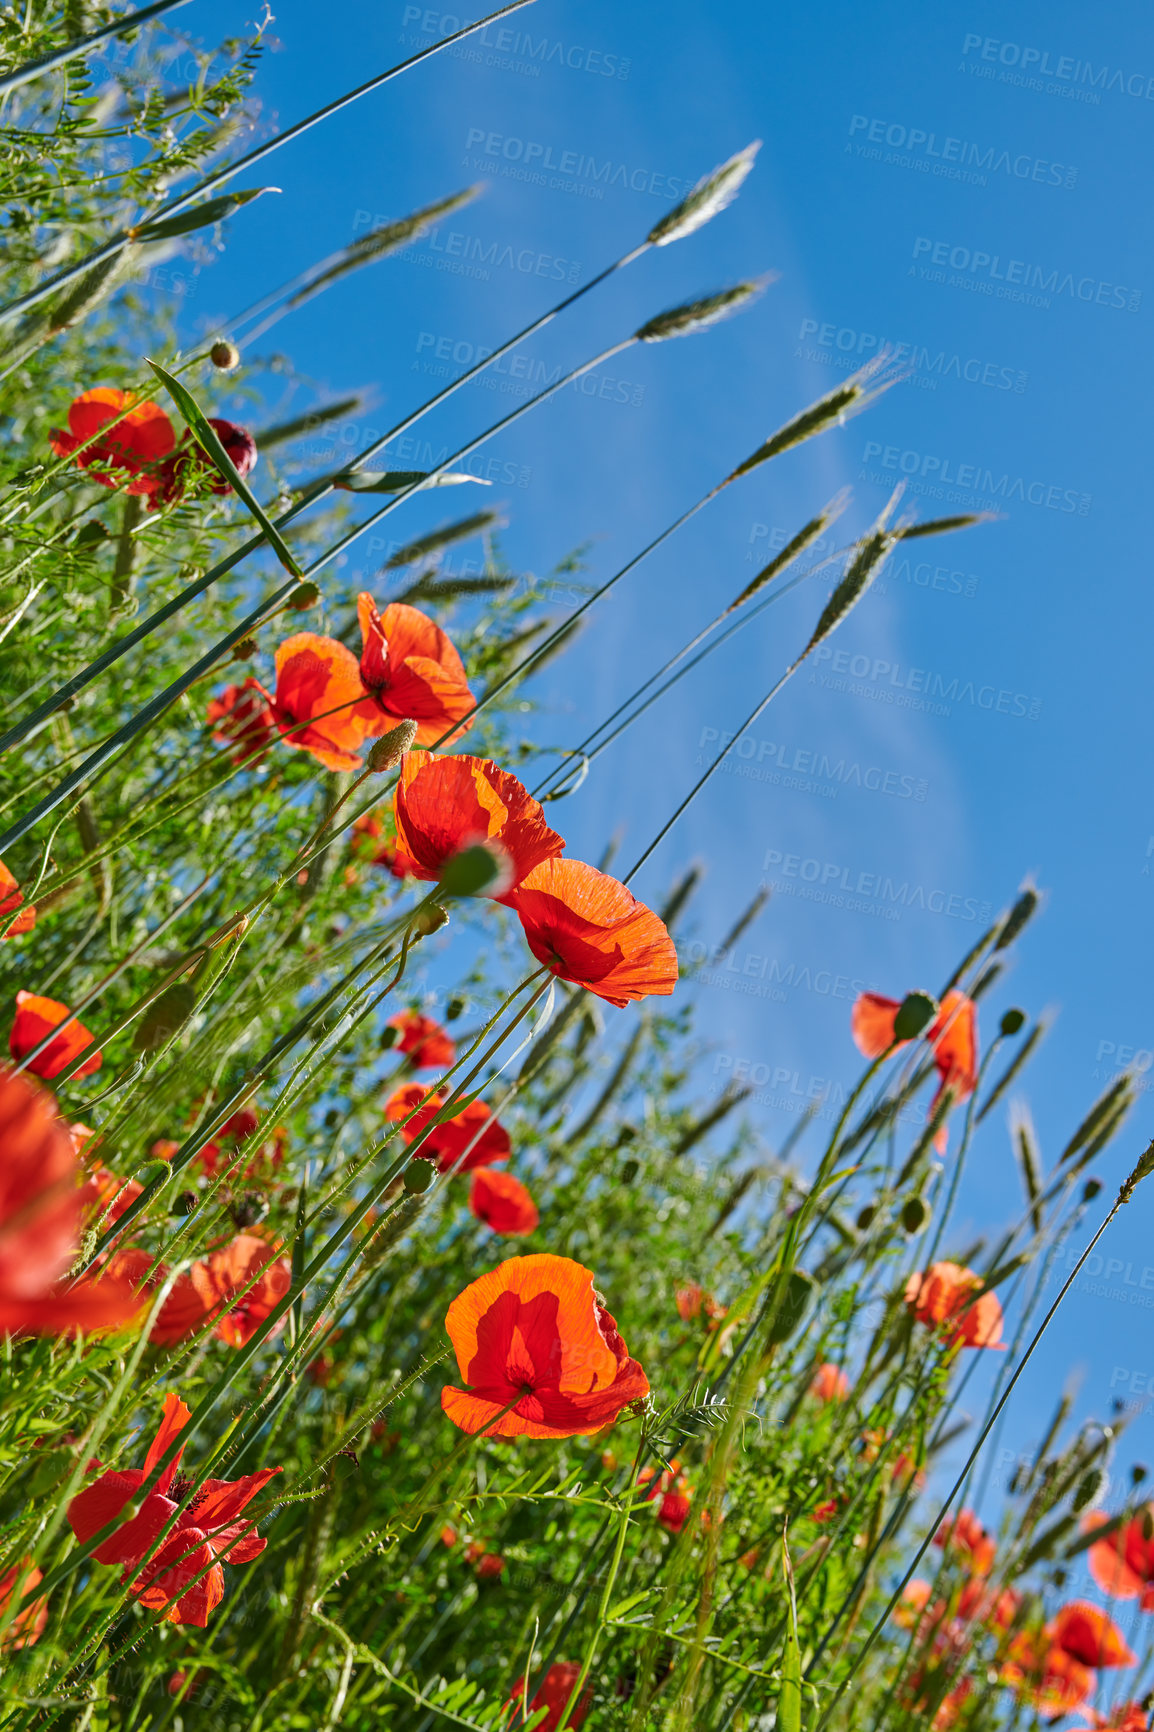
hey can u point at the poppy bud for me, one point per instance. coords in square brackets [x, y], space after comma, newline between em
[224, 355]
[389, 1036]
[1090, 1190]
[164, 1016]
[1137, 1473]
[388, 751]
[418, 1175]
[916, 1011]
[428, 920]
[305, 594]
[185, 1204]
[1089, 1489]
[791, 1307]
[915, 1214]
[251, 1209]
[1012, 1021]
[472, 871]
[629, 1171]
[244, 650]
[865, 1217]
[454, 1009]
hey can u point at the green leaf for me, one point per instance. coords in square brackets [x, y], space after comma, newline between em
[206, 438]
[393, 480]
[213, 210]
[789, 1700]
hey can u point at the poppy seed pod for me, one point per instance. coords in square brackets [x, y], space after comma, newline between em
[916, 1011]
[915, 1214]
[1012, 1021]
[224, 355]
[418, 1176]
[428, 920]
[305, 594]
[388, 751]
[475, 871]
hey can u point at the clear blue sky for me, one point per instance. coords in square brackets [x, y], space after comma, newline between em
[963, 179]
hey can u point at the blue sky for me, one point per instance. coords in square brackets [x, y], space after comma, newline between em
[958, 179]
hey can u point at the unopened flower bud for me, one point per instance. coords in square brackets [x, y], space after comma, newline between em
[1090, 1190]
[1012, 1021]
[388, 751]
[915, 1214]
[454, 1009]
[244, 650]
[865, 1217]
[224, 355]
[916, 1011]
[1137, 1473]
[429, 919]
[305, 594]
[164, 1016]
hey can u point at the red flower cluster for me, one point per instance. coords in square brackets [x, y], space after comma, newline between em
[112, 435]
[184, 1578]
[952, 1035]
[1053, 1668]
[11, 896]
[944, 1298]
[674, 1491]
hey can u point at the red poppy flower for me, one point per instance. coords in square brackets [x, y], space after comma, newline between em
[40, 1221]
[243, 720]
[952, 1035]
[11, 896]
[318, 689]
[443, 805]
[105, 1197]
[27, 1627]
[944, 1296]
[533, 1337]
[136, 446]
[1045, 1675]
[1122, 1564]
[410, 670]
[503, 1203]
[446, 1143]
[422, 1040]
[825, 1512]
[35, 1018]
[675, 1493]
[214, 1288]
[206, 1531]
[978, 1603]
[830, 1383]
[234, 1131]
[966, 1534]
[587, 928]
[189, 464]
[555, 1690]
[1087, 1633]
[1128, 1717]
[693, 1300]
[489, 1566]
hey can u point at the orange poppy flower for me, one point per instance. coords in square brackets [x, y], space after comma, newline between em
[979, 1603]
[555, 1690]
[422, 1039]
[213, 1288]
[446, 1143]
[1087, 1633]
[952, 1035]
[35, 1018]
[27, 1626]
[966, 1534]
[242, 719]
[532, 1336]
[1128, 1717]
[830, 1383]
[944, 1296]
[40, 1222]
[136, 446]
[1045, 1675]
[443, 805]
[11, 896]
[410, 670]
[488, 1565]
[825, 1512]
[206, 1532]
[587, 928]
[917, 1608]
[318, 689]
[1122, 1564]
[503, 1203]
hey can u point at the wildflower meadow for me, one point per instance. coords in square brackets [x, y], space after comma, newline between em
[396, 1332]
